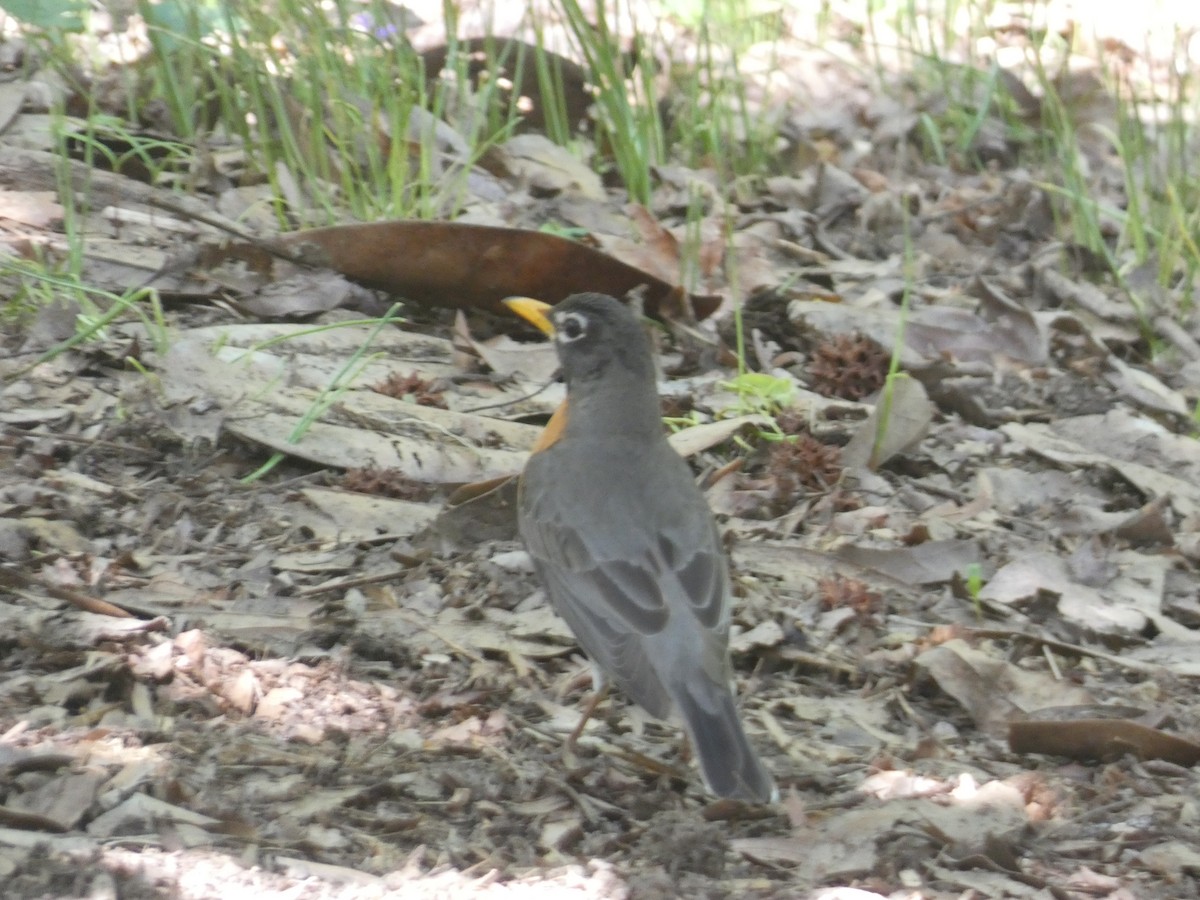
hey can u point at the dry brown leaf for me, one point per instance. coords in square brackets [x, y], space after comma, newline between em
[1100, 739]
[458, 265]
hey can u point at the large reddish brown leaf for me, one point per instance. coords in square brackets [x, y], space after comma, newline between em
[458, 265]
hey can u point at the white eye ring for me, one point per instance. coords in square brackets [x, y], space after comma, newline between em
[569, 327]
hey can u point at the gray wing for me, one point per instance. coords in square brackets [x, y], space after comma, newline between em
[628, 586]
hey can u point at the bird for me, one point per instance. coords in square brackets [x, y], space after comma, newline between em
[625, 544]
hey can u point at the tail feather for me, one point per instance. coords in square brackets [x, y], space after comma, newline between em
[729, 764]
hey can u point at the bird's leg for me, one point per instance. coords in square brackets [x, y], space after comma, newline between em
[685, 747]
[595, 699]
[599, 692]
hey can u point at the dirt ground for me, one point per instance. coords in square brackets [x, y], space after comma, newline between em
[967, 644]
[291, 713]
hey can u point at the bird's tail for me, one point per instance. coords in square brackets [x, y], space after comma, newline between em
[730, 766]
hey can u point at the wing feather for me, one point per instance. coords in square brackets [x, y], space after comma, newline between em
[622, 584]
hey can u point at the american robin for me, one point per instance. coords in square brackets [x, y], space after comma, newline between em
[625, 544]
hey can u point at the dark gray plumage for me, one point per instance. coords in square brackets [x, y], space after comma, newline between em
[626, 545]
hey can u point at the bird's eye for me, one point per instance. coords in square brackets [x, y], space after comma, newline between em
[571, 327]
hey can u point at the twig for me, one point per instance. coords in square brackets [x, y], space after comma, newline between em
[86, 602]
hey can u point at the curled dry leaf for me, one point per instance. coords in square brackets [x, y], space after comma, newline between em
[1099, 738]
[458, 265]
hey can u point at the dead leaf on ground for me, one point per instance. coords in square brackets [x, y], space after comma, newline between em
[457, 265]
[898, 422]
[548, 168]
[852, 843]
[1120, 601]
[1156, 461]
[265, 394]
[992, 691]
[1091, 738]
[933, 562]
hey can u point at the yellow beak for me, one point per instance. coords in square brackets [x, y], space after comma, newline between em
[533, 311]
